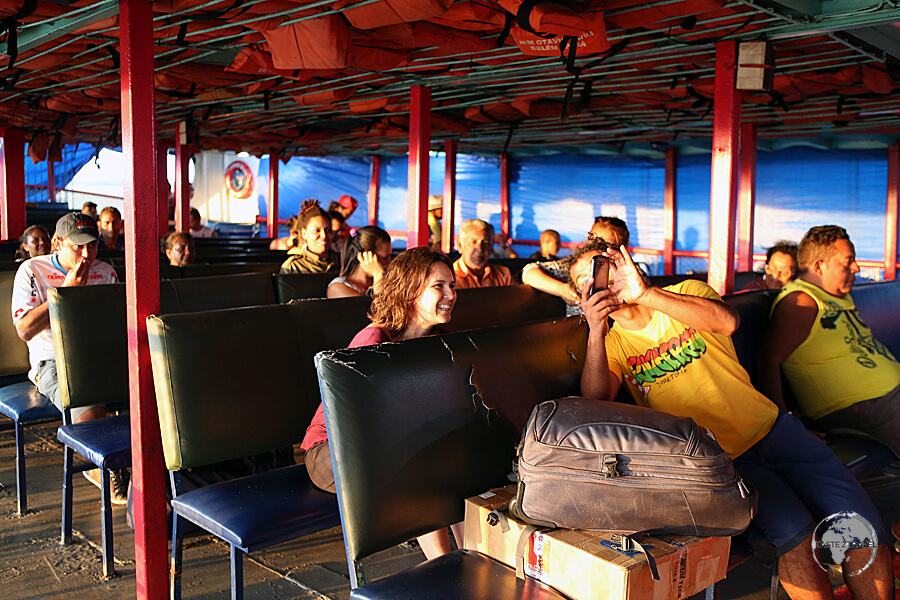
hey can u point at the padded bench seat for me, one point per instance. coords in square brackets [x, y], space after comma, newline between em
[105, 442]
[286, 505]
[22, 403]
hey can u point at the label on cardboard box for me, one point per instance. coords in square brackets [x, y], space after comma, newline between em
[588, 565]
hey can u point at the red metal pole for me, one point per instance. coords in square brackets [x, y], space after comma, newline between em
[504, 196]
[162, 191]
[747, 197]
[51, 182]
[12, 202]
[449, 208]
[417, 186]
[182, 181]
[724, 187]
[272, 206]
[893, 199]
[670, 204]
[374, 189]
[142, 295]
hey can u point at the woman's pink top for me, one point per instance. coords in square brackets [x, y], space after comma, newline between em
[316, 433]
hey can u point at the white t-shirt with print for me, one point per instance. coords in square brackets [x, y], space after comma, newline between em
[33, 280]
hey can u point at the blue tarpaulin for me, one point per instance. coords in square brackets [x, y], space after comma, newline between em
[74, 157]
[796, 189]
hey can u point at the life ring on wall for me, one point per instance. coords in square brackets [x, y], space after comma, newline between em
[239, 180]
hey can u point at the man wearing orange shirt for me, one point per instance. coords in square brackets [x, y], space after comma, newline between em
[476, 239]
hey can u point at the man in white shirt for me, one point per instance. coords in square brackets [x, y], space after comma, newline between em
[72, 263]
[198, 229]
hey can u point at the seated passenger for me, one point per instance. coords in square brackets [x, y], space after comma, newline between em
[366, 254]
[781, 268]
[339, 231]
[550, 245]
[435, 214]
[198, 229]
[314, 232]
[553, 276]
[110, 226]
[416, 296]
[672, 347]
[180, 249]
[287, 242]
[472, 269]
[89, 208]
[35, 241]
[346, 205]
[842, 377]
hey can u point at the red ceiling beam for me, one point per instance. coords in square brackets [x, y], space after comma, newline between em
[374, 189]
[724, 185]
[272, 206]
[449, 206]
[893, 199]
[747, 197]
[670, 209]
[419, 146]
[142, 295]
[12, 201]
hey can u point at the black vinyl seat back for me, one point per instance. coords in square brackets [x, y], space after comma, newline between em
[234, 268]
[228, 383]
[90, 332]
[753, 308]
[477, 308]
[14, 354]
[410, 430]
[877, 305]
[301, 286]
[323, 324]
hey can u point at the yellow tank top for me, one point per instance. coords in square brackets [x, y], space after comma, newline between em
[840, 363]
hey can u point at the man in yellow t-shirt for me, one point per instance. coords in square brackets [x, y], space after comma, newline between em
[841, 376]
[672, 347]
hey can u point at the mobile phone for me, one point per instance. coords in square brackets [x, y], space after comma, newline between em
[600, 273]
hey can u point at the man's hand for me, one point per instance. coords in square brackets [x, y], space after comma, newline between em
[598, 307]
[628, 283]
[78, 275]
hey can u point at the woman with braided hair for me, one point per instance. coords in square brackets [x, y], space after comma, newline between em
[314, 230]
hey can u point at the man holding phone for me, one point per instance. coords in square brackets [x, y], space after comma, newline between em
[672, 348]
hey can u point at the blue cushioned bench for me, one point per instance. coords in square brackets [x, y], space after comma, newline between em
[19, 399]
[89, 329]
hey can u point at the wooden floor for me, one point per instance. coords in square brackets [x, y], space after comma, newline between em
[34, 566]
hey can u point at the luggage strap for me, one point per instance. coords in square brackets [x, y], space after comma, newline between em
[628, 543]
[520, 548]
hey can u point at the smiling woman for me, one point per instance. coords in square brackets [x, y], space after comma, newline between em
[417, 295]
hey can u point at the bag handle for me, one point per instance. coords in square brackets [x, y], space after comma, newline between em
[630, 543]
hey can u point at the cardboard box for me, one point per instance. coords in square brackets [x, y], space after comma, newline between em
[586, 565]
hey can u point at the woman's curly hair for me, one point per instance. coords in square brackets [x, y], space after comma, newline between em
[394, 304]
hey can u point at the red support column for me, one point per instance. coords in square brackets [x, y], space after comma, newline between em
[504, 196]
[893, 198]
[374, 189]
[449, 208]
[724, 187]
[182, 181]
[162, 191]
[747, 198]
[12, 201]
[51, 182]
[142, 295]
[417, 186]
[272, 206]
[670, 204]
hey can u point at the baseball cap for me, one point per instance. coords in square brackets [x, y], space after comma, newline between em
[348, 202]
[78, 227]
